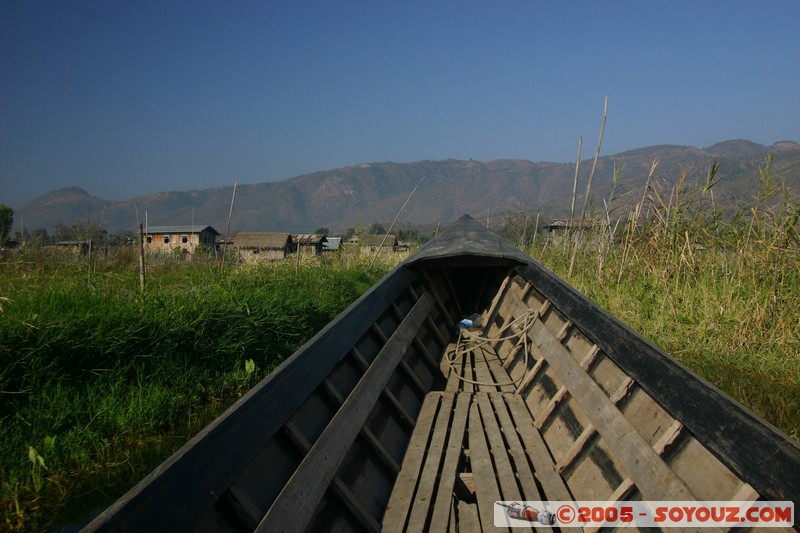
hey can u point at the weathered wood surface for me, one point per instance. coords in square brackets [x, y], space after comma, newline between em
[468, 243]
[756, 451]
[648, 470]
[294, 507]
[593, 397]
[178, 492]
[491, 438]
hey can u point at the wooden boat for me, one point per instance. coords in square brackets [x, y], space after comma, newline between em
[388, 419]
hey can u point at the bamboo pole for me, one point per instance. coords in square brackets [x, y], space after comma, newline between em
[142, 270]
[297, 262]
[386, 235]
[589, 187]
[227, 231]
[594, 163]
[575, 181]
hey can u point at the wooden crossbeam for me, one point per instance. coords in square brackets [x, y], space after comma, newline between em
[654, 478]
[295, 505]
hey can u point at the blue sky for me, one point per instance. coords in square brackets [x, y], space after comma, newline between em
[129, 98]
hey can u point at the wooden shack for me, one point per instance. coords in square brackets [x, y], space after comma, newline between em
[262, 246]
[69, 247]
[308, 243]
[378, 243]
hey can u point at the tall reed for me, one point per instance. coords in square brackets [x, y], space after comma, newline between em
[719, 289]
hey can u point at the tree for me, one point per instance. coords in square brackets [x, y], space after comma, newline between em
[413, 235]
[322, 231]
[82, 231]
[6, 220]
[348, 234]
[377, 229]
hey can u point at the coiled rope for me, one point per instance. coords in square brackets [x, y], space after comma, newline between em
[470, 341]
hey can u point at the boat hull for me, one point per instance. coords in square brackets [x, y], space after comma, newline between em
[392, 418]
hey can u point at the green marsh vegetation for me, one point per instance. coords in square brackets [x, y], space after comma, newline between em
[719, 289]
[100, 381]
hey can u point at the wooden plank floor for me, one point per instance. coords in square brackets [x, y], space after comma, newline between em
[475, 443]
[472, 449]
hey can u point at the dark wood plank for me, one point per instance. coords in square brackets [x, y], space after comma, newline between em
[575, 450]
[355, 507]
[718, 422]
[405, 417]
[380, 450]
[467, 240]
[649, 472]
[433, 364]
[295, 505]
[429, 320]
[447, 475]
[489, 316]
[405, 485]
[445, 313]
[338, 487]
[413, 378]
[240, 503]
[191, 480]
[560, 395]
[537, 366]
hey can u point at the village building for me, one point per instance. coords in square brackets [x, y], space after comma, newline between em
[185, 238]
[332, 245]
[262, 246]
[378, 243]
[74, 247]
[308, 243]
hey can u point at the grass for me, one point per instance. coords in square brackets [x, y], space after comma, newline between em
[99, 381]
[719, 290]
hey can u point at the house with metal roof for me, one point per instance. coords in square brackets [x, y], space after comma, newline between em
[332, 244]
[308, 243]
[262, 246]
[184, 238]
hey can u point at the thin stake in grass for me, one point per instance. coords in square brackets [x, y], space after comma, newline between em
[575, 181]
[589, 186]
[228, 231]
[386, 235]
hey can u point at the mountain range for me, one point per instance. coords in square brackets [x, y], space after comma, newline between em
[374, 192]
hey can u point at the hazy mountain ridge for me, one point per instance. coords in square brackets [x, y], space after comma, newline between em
[374, 192]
